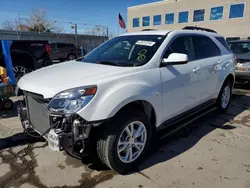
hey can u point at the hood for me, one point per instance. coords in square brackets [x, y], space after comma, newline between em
[51, 80]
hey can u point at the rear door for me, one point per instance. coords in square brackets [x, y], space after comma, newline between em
[207, 57]
[54, 51]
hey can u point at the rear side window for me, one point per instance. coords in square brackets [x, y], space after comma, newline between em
[204, 47]
[223, 42]
[71, 46]
[61, 45]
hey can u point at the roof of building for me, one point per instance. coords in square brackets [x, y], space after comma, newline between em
[152, 4]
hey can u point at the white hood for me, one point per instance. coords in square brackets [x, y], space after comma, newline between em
[51, 80]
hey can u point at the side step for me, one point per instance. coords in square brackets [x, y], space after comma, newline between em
[174, 128]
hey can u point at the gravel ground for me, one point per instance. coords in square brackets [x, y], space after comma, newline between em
[211, 152]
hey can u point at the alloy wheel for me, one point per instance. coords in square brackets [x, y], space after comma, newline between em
[132, 142]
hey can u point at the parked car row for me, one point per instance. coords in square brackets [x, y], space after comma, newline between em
[241, 50]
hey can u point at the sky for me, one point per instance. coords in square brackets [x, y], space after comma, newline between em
[96, 12]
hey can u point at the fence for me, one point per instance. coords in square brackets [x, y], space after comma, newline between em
[88, 41]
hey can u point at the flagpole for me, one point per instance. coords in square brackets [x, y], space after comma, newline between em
[118, 25]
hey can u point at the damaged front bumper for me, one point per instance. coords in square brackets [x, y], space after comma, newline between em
[70, 133]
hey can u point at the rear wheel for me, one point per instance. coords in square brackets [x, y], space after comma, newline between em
[125, 142]
[20, 71]
[71, 57]
[224, 97]
[7, 104]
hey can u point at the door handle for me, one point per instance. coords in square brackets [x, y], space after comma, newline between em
[196, 69]
[219, 61]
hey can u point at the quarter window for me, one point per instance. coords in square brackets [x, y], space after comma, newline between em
[169, 18]
[146, 21]
[223, 42]
[136, 22]
[157, 20]
[183, 17]
[204, 47]
[182, 45]
[199, 15]
[216, 13]
[237, 11]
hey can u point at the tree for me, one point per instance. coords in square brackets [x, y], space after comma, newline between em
[39, 22]
[36, 22]
[97, 30]
[9, 25]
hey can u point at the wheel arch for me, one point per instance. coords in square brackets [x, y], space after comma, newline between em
[22, 58]
[140, 105]
[231, 78]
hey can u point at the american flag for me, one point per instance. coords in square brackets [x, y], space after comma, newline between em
[121, 22]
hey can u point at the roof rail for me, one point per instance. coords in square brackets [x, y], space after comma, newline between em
[199, 28]
[148, 29]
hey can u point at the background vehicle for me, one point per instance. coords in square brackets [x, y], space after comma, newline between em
[63, 51]
[125, 90]
[241, 50]
[27, 55]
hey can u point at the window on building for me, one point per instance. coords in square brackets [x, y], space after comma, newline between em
[237, 10]
[146, 21]
[199, 15]
[183, 17]
[201, 52]
[157, 20]
[136, 22]
[169, 18]
[216, 13]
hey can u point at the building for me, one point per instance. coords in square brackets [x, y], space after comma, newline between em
[230, 18]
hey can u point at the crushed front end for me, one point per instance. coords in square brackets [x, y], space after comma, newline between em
[67, 132]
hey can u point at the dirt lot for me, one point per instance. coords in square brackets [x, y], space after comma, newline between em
[211, 152]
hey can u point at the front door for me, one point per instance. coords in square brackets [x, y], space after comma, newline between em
[179, 82]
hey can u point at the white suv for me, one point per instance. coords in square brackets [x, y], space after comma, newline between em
[127, 89]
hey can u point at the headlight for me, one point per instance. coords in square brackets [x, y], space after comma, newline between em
[71, 101]
[243, 66]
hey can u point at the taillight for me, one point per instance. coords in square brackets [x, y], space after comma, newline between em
[235, 60]
[48, 49]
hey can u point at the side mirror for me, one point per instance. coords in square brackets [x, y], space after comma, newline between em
[175, 59]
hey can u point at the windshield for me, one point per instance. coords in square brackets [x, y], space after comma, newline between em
[240, 47]
[126, 50]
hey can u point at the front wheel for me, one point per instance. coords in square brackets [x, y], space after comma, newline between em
[125, 142]
[224, 97]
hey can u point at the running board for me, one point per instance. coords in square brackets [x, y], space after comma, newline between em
[173, 130]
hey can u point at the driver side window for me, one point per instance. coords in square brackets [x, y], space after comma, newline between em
[181, 45]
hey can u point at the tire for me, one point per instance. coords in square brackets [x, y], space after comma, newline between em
[224, 98]
[7, 104]
[108, 144]
[71, 57]
[20, 71]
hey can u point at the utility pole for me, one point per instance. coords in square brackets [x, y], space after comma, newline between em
[19, 24]
[76, 33]
[107, 32]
